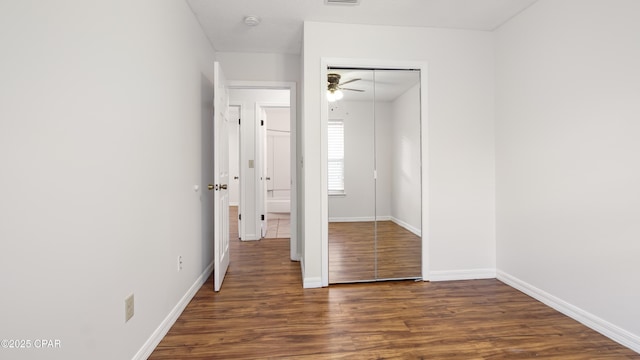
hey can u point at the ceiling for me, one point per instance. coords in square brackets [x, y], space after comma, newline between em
[280, 29]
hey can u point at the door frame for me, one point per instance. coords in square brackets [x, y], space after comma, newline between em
[237, 150]
[326, 62]
[291, 86]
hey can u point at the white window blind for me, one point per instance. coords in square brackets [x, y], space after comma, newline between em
[336, 157]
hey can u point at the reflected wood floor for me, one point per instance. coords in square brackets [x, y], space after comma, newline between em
[361, 251]
[262, 312]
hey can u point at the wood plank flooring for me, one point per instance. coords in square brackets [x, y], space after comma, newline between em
[360, 251]
[262, 312]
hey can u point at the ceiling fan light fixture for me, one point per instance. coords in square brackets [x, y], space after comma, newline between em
[333, 91]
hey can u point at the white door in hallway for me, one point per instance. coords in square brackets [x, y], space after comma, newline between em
[221, 176]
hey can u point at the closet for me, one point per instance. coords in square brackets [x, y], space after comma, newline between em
[374, 174]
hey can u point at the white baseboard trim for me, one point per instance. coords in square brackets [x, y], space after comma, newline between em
[473, 274]
[233, 204]
[309, 283]
[602, 326]
[171, 318]
[312, 282]
[250, 237]
[405, 225]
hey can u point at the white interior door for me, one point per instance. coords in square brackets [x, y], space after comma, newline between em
[207, 196]
[221, 177]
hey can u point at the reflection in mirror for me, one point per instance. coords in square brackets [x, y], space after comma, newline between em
[399, 208]
[352, 207]
[374, 168]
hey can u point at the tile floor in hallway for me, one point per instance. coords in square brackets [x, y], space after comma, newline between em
[278, 226]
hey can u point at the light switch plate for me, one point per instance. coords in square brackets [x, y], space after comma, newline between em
[128, 308]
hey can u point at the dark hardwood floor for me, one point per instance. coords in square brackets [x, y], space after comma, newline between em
[366, 250]
[262, 312]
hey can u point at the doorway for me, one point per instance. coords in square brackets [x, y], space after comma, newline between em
[277, 124]
[257, 103]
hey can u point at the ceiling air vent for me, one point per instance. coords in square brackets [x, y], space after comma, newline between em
[342, 2]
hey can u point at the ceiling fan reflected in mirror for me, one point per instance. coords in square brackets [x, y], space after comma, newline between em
[334, 87]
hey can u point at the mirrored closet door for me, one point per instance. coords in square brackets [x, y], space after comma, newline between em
[374, 175]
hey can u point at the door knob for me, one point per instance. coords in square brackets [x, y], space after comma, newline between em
[223, 186]
[210, 187]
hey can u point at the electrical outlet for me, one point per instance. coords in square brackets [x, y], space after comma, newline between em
[179, 262]
[128, 308]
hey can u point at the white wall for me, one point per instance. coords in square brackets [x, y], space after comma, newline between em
[278, 157]
[279, 119]
[260, 66]
[358, 202]
[384, 158]
[568, 200]
[100, 151]
[460, 137]
[247, 99]
[405, 169]
[278, 167]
